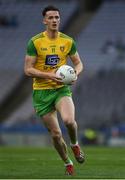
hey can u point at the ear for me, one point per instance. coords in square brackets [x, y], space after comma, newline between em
[44, 21]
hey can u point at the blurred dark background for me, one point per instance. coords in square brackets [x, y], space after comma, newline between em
[99, 30]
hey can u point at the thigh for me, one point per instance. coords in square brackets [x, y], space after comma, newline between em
[51, 122]
[43, 101]
[66, 108]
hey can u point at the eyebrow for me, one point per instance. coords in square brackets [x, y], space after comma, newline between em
[53, 16]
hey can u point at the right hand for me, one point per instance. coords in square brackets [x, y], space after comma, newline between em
[55, 78]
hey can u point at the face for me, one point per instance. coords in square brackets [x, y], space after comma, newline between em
[52, 20]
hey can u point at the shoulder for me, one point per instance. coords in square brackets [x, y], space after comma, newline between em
[71, 43]
[31, 46]
[65, 36]
[37, 37]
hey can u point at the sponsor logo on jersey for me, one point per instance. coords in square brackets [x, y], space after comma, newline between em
[52, 60]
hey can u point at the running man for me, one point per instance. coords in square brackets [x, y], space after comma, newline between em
[46, 52]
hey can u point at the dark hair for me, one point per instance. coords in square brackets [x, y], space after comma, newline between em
[49, 8]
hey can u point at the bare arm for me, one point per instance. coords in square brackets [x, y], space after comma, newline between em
[33, 72]
[78, 65]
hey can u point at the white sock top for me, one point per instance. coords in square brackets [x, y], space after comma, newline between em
[74, 144]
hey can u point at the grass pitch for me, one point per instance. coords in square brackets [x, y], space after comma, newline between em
[44, 163]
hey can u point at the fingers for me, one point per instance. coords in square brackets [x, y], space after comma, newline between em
[73, 82]
[58, 79]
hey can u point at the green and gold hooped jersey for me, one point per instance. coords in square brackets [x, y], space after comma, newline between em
[50, 54]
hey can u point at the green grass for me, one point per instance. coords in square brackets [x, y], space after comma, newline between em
[44, 163]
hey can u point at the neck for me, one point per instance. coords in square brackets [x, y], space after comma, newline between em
[52, 34]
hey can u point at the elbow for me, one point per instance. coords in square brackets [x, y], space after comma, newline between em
[81, 67]
[27, 72]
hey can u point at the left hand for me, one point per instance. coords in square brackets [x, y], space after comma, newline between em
[73, 82]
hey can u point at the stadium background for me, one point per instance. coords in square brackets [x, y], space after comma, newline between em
[99, 30]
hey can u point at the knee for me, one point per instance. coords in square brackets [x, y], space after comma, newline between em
[56, 135]
[69, 122]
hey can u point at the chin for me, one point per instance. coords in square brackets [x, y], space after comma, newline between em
[54, 29]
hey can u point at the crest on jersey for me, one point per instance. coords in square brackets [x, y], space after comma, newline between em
[62, 48]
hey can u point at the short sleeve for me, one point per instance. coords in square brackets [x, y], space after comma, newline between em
[31, 50]
[73, 48]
